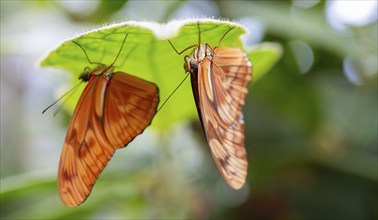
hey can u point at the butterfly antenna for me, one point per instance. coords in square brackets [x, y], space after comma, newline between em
[85, 52]
[220, 40]
[119, 51]
[172, 93]
[128, 55]
[74, 88]
[199, 33]
[179, 53]
[65, 100]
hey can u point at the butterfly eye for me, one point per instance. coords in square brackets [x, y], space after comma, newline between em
[187, 64]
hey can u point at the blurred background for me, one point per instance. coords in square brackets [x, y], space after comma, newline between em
[311, 122]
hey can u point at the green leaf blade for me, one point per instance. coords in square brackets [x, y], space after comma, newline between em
[148, 55]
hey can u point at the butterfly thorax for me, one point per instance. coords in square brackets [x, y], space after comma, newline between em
[89, 75]
[197, 56]
[100, 70]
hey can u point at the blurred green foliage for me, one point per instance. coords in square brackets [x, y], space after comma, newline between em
[311, 136]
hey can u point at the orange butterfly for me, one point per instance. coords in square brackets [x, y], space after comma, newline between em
[112, 110]
[220, 77]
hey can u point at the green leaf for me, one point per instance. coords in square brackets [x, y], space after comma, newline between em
[147, 54]
[263, 57]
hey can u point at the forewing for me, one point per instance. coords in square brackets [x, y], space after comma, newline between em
[86, 149]
[223, 85]
[131, 104]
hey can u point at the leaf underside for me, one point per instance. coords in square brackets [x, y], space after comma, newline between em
[147, 54]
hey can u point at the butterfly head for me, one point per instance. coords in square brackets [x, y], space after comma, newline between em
[86, 74]
[190, 64]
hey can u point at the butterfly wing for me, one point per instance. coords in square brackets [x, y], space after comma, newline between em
[131, 103]
[91, 139]
[222, 87]
[86, 150]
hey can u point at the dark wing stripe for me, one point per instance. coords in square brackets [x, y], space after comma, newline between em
[76, 186]
[232, 97]
[79, 179]
[92, 167]
[113, 134]
[116, 132]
